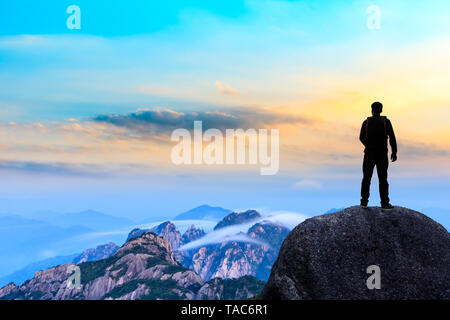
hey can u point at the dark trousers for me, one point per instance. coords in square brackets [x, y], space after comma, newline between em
[374, 158]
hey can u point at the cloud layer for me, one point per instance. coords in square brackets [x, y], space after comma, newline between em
[238, 232]
[166, 120]
[60, 169]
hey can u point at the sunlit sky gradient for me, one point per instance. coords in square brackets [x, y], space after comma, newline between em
[308, 68]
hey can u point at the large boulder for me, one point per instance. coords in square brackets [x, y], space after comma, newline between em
[327, 257]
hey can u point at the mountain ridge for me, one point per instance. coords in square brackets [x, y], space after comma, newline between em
[143, 268]
[238, 218]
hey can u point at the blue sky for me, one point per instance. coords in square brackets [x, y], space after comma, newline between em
[111, 18]
[298, 59]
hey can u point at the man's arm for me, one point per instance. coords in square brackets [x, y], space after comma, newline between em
[392, 140]
[362, 134]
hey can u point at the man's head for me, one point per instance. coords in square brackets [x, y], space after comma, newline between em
[377, 107]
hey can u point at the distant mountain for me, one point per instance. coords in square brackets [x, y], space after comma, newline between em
[203, 212]
[143, 268]
[18, 221]
[100, 252]
[28, 272]
[238, 218]
[24, 241]
[91, 219]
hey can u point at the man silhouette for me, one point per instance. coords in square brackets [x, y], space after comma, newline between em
[374, 135]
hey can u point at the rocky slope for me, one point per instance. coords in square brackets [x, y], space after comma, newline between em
[143, 268]
[327, 257]
[230, 289]
[20, 276]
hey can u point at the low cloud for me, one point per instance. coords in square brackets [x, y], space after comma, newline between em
[233, 233]
[226, 89]
[289, 219]
[419, 149]
[159, 121]
[307, 184]
[61, 169]
[239, 232]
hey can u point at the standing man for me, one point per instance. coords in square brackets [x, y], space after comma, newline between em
[375, 132]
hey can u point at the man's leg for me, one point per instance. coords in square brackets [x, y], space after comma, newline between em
[368, 165]
[382, 170]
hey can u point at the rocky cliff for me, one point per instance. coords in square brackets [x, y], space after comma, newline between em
[230, 289]
[363, 254]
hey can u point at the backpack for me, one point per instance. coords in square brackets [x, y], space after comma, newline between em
[367, 126]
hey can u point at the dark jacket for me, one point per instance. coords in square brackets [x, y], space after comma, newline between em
[375, 132]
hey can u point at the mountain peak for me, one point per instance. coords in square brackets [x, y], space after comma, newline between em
[164, 226]
[238, 218]
[191, 234]
[166, 229]
[203, 212]
[148, 243]
[328, 256]
[169, 231]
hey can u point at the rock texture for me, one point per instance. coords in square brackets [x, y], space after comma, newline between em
[327, 257]
[230, 289]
